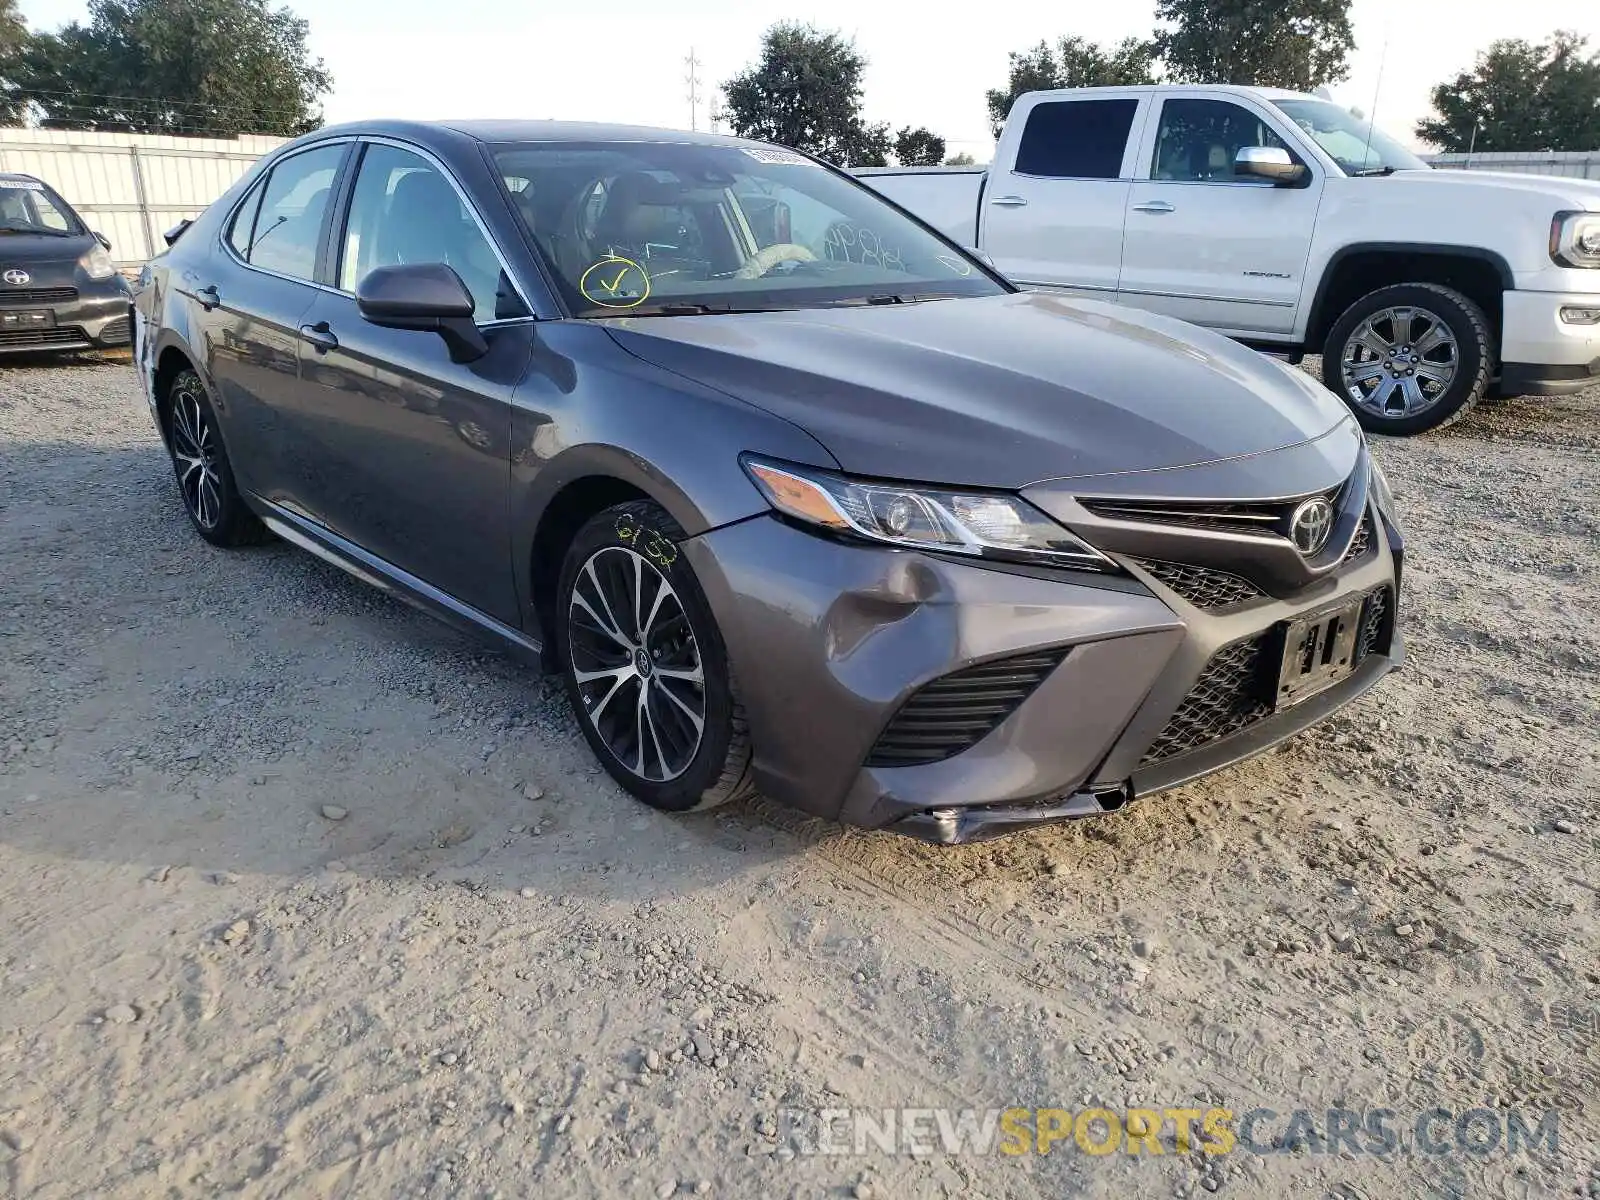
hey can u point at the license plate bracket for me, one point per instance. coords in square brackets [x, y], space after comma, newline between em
[1318, 651]
[12, 322]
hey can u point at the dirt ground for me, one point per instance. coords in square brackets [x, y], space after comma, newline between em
[304, 894]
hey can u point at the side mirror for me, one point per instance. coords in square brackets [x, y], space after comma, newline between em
[423, 296]
[105, 242]
[1272, 163]
[171, 236]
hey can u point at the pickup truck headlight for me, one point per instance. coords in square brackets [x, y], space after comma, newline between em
[1575, 239]
[97, 264]
[989, 525]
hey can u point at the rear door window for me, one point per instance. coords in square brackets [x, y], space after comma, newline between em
[293, 206]
[1077, 139]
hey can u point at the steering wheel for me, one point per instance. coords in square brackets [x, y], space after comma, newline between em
[765, 259]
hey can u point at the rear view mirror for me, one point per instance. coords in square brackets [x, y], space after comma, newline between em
[1268, 162]
[423, 296]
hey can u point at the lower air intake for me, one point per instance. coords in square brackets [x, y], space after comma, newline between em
[956, 711]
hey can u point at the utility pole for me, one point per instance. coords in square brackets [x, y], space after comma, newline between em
[693, 80]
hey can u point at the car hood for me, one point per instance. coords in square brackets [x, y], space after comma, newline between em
[27, 249]
[999, 392]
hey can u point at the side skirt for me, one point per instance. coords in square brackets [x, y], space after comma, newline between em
[387, 577]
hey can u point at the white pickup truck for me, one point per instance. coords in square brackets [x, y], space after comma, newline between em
[1284, 221]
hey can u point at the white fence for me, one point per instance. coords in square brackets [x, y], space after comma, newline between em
[132, 186]
[1579, 164]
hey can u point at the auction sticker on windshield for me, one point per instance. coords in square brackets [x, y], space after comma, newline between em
[780, 158]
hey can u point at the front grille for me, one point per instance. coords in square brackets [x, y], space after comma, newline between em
[24, 297]
[1265, 519]
[1229, 695]
[69, 335]
[1362, 541]
[1202, 587]
[1226, 698]
[116, 333]
[956, 711]
[1373, 624]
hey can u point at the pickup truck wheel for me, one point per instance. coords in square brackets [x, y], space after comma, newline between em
[1408, 358]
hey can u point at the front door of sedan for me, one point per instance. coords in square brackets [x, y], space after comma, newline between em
[415, 448]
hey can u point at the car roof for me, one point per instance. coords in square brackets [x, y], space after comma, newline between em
[511, 130]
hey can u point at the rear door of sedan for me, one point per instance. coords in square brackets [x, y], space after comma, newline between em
[414, 450]
[252, 291]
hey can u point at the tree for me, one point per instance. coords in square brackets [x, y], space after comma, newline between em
[1072, 62]
[1299, 44]
[178, 66]
[961, 160]
[805, 92]
[1520, 96]
[14, 41]
[918, 148]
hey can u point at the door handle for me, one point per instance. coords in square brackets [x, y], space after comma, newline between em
[208, 296]
[1009, 201]
[1153, 206]
[320, 336]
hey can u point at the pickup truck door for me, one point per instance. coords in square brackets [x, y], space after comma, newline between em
[1052, 210]
[1204, 245]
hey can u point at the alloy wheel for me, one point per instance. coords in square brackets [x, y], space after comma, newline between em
[636, 663]
[1399, 361]
[196, 451]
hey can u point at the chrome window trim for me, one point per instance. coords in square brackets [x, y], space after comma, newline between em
[399, 144]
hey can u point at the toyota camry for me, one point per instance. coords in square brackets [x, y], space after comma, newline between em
[796, 495]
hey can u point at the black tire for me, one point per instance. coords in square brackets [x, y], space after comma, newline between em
[1474, 356]
[200, 462]
[641, 537]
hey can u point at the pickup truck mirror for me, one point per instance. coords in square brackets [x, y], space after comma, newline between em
[1268, 162]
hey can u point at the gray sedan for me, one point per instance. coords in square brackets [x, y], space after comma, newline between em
[795, 494]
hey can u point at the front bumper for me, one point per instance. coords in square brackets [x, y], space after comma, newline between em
[829, 640]
[1542, 355]
[98, 317]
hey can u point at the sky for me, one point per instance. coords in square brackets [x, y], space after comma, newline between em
[624, 60]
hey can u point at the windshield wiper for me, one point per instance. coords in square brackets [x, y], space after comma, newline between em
[684, 309]
[1367, 172]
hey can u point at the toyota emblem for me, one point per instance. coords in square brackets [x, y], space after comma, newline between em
[16, 277]
[1310, 525]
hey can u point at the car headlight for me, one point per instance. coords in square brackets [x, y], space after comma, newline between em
[981, 524]
[1575, 239]
[97, 264]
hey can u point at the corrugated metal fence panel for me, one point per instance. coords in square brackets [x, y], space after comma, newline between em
[1577, 164]
[131, 186]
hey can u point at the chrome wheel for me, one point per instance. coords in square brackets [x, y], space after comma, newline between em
[636, 663]
[195, 451]
[1399, 361]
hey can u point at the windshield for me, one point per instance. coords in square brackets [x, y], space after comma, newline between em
[650, 228]
[1356, 145]
[25, 207]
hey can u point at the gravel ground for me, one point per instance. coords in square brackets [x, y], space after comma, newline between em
[302, 893]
